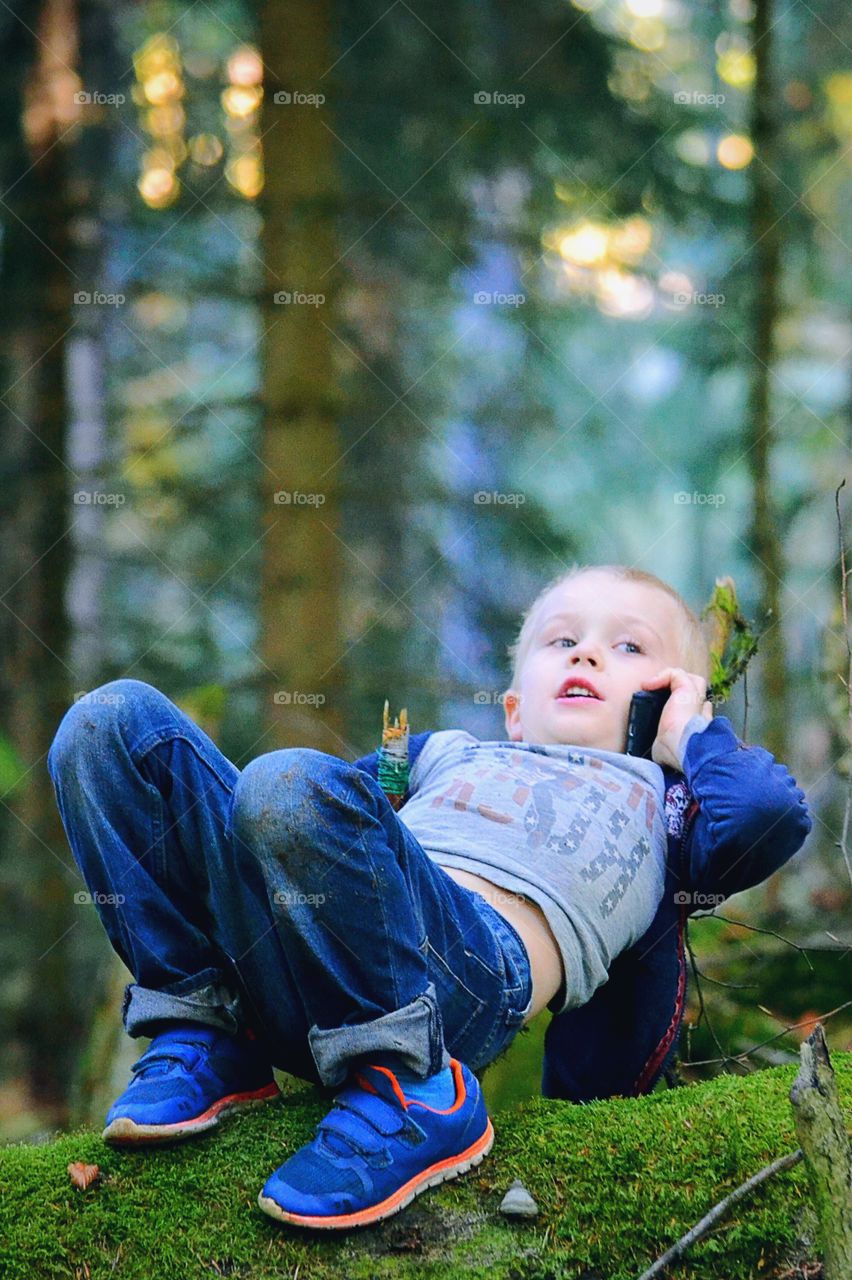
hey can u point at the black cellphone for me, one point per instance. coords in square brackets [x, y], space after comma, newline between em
[646, 707]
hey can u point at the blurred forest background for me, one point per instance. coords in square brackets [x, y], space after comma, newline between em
[329, 332]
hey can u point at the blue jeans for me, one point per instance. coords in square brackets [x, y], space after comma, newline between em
[288, 898]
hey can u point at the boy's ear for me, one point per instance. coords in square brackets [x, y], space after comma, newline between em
[511, 706]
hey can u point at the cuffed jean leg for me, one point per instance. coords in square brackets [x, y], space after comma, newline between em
[132, 823]
[145, 798]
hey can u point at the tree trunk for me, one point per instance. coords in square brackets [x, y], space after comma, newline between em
[302, 462]
[764, 536]
[34, 554]
[828, 1155]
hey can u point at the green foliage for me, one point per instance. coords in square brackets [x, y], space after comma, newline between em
[754, 986]
[206, 702]
[12, 767]
[732, 643]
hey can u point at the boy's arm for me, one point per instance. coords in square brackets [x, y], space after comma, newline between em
[752, 817]
[370, 763]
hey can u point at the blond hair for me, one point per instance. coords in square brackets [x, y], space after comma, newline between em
[693, 646]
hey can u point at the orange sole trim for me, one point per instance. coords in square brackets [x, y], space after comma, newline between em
[443, 1171]
[126, 1131]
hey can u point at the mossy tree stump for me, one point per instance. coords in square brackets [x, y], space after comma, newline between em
[828, 1156]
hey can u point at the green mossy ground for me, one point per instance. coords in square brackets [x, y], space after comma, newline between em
[616, 1182]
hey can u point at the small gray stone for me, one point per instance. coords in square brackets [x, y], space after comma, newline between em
[518, 1203]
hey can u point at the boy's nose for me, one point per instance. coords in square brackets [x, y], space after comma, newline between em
[585, 652]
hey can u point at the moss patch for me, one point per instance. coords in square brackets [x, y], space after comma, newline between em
[616, 1182]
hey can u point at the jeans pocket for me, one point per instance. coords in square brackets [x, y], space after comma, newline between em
[495, 972]
[505, 1027]
[463, 1009]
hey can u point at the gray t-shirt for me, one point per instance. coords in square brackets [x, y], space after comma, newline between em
[579, 830]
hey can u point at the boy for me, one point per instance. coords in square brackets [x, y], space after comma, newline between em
[288, 915]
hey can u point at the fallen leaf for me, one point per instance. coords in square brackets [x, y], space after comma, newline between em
[83, 1175]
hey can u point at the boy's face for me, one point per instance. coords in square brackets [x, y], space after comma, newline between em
[584, 629]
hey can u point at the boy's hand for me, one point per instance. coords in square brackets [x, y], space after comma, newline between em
[688, 698]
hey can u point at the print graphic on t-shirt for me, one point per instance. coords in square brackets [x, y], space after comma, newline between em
[628, 864]
[570, 815]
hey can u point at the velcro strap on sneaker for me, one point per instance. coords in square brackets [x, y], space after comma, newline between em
[383, 1116]
[357, 1136]
[186, 1055]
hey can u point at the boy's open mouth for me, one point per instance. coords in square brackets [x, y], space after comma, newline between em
[576, 689]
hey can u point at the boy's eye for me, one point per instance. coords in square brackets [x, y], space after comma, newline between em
[568, 640]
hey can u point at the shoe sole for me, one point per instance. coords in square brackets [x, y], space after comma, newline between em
[443, 1171]
[126, 1132]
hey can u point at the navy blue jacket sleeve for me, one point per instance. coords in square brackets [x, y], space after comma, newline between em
[751, 819]
[370, 763]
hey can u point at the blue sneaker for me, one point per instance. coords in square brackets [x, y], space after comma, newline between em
[188, 1078]
[376, 1150]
